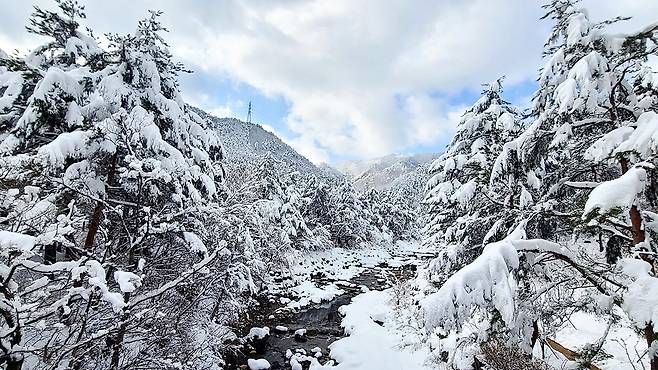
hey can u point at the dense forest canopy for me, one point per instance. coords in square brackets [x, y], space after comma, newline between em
[139, 232]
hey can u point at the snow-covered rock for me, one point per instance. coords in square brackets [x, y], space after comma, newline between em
[258, 333]
[281, 328]
[260, 364]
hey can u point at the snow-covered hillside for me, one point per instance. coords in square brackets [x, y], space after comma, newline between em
[245, 141]
[387, 172]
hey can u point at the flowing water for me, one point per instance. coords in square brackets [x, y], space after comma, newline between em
[322, 321]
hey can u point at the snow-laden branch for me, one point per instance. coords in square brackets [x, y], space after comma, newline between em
[619, 193]
[489, 283]
[173, 283]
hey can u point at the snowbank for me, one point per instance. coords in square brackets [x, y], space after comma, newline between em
[371, 345]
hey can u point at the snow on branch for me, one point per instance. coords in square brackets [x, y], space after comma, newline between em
[619, 193]
[486, 282]
[173, 283]
[640, 301]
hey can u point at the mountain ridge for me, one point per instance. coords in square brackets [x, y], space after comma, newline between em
[386, 172]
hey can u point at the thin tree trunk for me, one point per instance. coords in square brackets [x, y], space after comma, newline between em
[118, 342]
[93, 226]
[636, 225]
[638, 237]
[535, 334]
[50, 253]
[636, 218]
[650, 337]
[98, 210]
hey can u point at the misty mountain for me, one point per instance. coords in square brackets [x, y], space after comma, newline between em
[387, 172]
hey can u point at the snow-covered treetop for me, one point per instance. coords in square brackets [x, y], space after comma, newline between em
[472, 148]
[131, 108]
[584, 62]
[69, 46]
[459, 179]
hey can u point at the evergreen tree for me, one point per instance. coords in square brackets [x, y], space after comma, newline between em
[593, 126]
[113, 164]
[349, 225]
[460, 213]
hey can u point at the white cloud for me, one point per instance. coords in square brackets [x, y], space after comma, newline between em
[207, 103]
[360, 75]
[302, 144]
[221, 111]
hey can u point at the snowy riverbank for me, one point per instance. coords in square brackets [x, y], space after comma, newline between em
[331, 294]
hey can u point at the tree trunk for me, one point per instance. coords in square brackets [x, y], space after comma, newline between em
[118, 342]
[636, 225]
[535, 334]
[93, 226]
[98, 210]
[650, 337]
[636, 218]
[50, 253]
[116, 349]
[15, 362]
[638, 237]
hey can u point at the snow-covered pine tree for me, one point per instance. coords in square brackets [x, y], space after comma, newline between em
[167, 165]
[392, 212]
[103, 146]
[587, 127]
[40, 102]
[460, 212]
[293, 223]
[625, 207]
[269, 184]
[584, 92]
[281, 208]
[402, 212]
[374, 202]
[349, 225]
[586, 96]
[315, 210]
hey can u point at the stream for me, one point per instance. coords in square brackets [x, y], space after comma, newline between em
[322, 322]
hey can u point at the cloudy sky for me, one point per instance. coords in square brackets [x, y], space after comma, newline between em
[343, 79]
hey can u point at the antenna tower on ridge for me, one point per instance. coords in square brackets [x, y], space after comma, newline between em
[249, 113]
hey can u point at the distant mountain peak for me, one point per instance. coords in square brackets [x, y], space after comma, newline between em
[244, 143]
[385, 172]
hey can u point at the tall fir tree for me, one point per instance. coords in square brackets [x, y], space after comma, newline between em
[102, 147]
[460, 211]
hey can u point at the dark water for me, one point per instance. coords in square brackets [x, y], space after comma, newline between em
[321, 321]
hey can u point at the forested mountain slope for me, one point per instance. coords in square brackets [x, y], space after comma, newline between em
[386, 172]
[245, 142]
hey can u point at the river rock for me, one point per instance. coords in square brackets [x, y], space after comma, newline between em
[300, 335]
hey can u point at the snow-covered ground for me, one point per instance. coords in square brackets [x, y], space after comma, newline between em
[622, 345]
[334, 268]
[373, 341]
[378, 339]
[380, 335]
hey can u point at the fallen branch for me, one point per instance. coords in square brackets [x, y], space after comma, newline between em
[569, 354]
